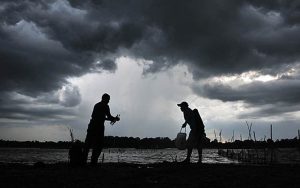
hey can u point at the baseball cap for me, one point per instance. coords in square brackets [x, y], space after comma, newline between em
[183, 104]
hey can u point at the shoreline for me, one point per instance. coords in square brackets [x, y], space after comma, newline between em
[149, 175]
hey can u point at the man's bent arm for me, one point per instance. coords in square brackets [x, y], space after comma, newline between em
[109, 116]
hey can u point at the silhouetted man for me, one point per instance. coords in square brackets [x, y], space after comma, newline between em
[196, 135]
[95, 132]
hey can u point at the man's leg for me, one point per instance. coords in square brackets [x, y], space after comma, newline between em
[200, 154]
[190, 145]
[98, 146]
[188, 156]
[86, 148]
[200, 147]
[95, 155]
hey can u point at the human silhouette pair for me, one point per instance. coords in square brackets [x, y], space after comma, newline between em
[101, 113]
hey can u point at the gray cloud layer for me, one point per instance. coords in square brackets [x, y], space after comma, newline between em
[272, 98]
[44, 42]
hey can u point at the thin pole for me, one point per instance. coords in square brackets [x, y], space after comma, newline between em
[271, 132]
[215, 134]
[272, 149]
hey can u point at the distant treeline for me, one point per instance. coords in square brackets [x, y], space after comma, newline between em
[155, 143]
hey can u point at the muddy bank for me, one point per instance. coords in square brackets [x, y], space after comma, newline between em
[151, 175]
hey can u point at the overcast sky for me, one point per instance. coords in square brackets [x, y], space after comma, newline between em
[236, 61]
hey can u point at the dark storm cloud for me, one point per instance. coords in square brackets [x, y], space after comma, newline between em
[107, 64]
[279, 110]
[259, 93]
[71, 46]
[216, 37]
[272, 97]
[44, 42]
[20, 107]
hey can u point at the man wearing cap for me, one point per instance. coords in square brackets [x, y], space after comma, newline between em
[196, 133]
[95, 132]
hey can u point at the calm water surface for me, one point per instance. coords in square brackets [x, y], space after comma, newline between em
[128, 155]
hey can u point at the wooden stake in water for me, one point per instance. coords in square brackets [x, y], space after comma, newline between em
[71, 135]
[272, 149]
[271, 132]
[103, 158]
[249, 130]
[215, 134]
[254, 136]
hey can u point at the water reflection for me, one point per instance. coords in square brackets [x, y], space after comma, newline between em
[128, 155]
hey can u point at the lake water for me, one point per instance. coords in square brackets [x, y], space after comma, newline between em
[128, 155]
